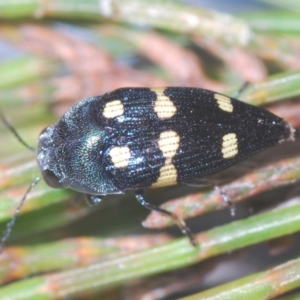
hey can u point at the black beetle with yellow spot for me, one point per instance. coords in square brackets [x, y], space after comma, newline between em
[137, 138]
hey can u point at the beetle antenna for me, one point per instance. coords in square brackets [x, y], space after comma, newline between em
[15, 133]
[12, 222]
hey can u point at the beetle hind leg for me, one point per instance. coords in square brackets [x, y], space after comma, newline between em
[226, 199]
[180, 223]
[93, 200]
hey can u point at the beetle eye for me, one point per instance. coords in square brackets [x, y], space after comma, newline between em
[51, 179]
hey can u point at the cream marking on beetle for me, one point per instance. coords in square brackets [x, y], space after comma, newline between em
[230, 145]
[113, 109]
[224, 102]
[167, 176]
[163, 105]
[168, 143]
[120, 156]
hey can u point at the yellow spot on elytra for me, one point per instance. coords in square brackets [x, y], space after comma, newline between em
[168, 143]
[167, 176]
[120, 156]
[163, 106]
[229, 145]
[224, 102]
[113, 109]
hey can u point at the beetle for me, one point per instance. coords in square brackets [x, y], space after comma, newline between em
[132, 139]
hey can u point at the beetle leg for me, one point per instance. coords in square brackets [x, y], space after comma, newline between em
[180, 223]
[93, 200]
